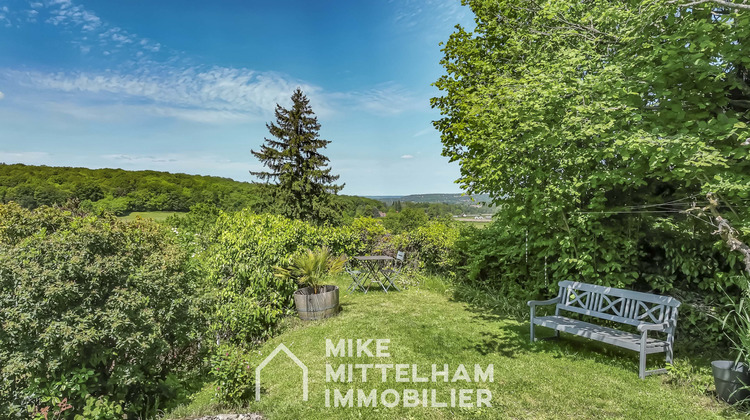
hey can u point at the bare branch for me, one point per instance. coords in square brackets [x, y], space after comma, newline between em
[727, 232]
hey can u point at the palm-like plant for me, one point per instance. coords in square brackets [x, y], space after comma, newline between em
[312, 267]
[737, 325]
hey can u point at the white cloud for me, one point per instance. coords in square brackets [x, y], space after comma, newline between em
[430, 13]
[90, 31]
[171, 88]
[2, 95]
[197, 163]
[384, 100]
[407, 157]
[140, 158]
[210, 96]
[68, 14]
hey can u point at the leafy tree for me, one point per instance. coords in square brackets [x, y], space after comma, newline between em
[88, 191]
[408, 219]
[594, 128]
[304, 180]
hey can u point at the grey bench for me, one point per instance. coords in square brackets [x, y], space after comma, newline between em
[645, 311]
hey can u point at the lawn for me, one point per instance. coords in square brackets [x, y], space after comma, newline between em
[570, 378]
[158, 216]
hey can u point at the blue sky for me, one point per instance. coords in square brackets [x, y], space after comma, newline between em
[187, 86]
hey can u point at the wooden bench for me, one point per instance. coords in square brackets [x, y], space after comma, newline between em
[645, 311]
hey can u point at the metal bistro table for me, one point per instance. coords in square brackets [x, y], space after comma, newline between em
[373, 266]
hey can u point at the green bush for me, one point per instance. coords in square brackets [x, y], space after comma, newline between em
[237, 253]
[407, 219]
[248, 300]
[524, 259]
[430, 247]
[93, 310]
[233, 373]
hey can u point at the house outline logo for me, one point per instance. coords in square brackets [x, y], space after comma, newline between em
[279, 348]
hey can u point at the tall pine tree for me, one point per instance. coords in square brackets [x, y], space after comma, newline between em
[304, 183]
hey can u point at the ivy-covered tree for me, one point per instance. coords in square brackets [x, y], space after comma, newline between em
[304, 183]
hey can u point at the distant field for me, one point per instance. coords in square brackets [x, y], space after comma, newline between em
[480, 223]
[155, 215]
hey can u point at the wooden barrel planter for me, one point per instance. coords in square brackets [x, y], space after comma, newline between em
[311, 306]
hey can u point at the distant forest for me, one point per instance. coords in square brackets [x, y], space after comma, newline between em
[120, 192]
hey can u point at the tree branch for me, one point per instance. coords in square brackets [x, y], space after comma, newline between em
[727, 232]
[725, 3]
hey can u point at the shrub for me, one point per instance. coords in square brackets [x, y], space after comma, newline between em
[239, 250]
[93, 310]
[233, 373]
[524, 259]
[432, 245]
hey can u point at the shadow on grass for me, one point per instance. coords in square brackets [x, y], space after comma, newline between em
[506, 343]
[512, 339]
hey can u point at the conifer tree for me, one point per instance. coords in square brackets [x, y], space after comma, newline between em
[304, 183]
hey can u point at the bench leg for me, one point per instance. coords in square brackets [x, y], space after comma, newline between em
[642, 367]
[532, 330]
[642, 364]
[670, 355]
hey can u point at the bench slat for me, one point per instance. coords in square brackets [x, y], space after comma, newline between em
[608, 317]
[629, 294]
[604, 334]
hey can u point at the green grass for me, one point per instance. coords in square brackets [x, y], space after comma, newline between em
[570, 378]
[158, 216]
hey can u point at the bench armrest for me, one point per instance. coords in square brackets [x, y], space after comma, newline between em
[655, 327]
[533, 303]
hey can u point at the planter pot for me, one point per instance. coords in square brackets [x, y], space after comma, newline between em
[730, 379]
[319, 305]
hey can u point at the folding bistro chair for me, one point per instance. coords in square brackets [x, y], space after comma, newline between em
[358, 280]
[392, 272]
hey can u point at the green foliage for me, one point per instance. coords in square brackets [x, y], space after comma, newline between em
[234, 374]
[118, 191]
[369, 231]
[304, 181]
[311, 268]
[407, 219]
[238, 253]
[737, 327]
[431, 245]
[428, 324]
[91, 307]
[100, 408]
[248, 300]
[684, 373]
[593, 128]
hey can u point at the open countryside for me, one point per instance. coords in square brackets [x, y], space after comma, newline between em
[483, 209]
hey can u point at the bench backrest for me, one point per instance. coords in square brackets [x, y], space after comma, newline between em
[619, 305]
